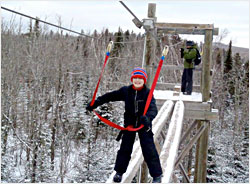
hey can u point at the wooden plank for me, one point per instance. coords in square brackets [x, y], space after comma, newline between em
[203, 106]
[162, 25]
[181, 28]
[190, 128]
[180, 67]
[136, 156]
[177, 88]
[171, 86]
[184, 173]
[171, 144]
[176, 93]
[202, 115]
[185, 31]
[194, 106]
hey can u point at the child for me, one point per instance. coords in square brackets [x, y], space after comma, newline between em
[135, 97]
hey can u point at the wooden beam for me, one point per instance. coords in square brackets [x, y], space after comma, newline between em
[180, 67]
[203, 106]
[206, 66]
[202, 145]
[181, 28]
[171, 143]
[190, 128]
[136, 156]
[184, 173]
[170, 86]
[201, 154]
[193, 106]
[202, 115]
[184, 31]
[149, 58]
[150, 45]
[190, 144]
[162, 25]
[144, 173]
[151, 10]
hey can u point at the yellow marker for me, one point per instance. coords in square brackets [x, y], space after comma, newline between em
[165, 51]
[110, 46]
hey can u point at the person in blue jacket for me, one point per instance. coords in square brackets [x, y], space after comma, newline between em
[135, 97]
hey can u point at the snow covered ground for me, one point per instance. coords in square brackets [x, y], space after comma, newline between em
[169, 95]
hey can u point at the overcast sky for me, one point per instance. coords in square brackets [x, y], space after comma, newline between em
[230, 15]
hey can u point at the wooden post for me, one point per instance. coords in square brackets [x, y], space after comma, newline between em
[206, 66]
[149, 58]
[144, 173]
[150, 45]
[202, 144]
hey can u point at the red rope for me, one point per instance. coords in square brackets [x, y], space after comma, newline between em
[97, 86]
[130, 127]
[153, 85]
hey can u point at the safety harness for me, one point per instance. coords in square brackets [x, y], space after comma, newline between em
[130, 127]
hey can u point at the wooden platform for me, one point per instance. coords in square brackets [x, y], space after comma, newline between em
[194, 107]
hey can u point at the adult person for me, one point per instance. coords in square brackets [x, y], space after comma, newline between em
[189, 54]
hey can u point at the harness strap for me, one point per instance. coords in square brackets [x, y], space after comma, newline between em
[130, 127]
[153, 85]
[97, 86]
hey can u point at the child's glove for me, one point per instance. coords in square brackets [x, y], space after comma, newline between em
[146, 122]
[95, 105]
[89, 108]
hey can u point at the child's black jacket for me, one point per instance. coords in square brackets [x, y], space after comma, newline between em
[135, 102]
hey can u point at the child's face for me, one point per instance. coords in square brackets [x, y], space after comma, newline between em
[138, 82]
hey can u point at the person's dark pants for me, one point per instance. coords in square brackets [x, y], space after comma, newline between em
[187, 80]
[148, 150]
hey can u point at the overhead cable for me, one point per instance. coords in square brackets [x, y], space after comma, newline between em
[46, 22]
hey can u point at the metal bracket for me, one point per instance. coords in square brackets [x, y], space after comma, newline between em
[148, 23]
[137, 23]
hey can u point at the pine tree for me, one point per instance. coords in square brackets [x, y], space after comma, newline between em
[37, 28]
[218, 59]
[127, 35]
[246, 75]
[30, 27]
[229, 61]
[116, 52]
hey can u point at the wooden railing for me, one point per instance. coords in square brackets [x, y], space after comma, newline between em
[170, 148]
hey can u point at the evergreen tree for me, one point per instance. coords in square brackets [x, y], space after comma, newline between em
[218, 59]
[234, 80]
[229, 61]
[116, 52]
[30, 27]
[127, 35]
[37, 28]
[246, 75]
